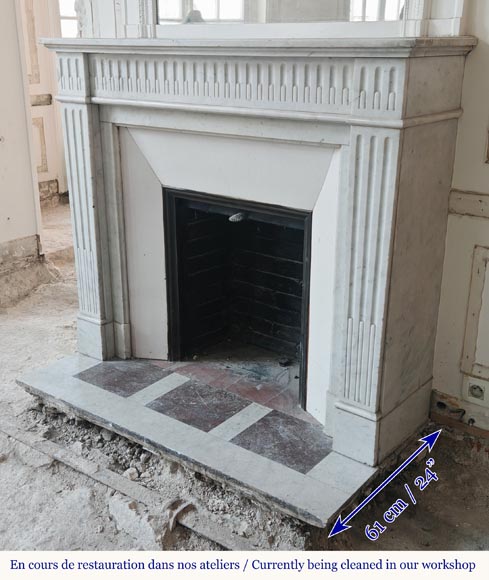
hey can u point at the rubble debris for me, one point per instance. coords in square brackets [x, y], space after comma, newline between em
[242, 516]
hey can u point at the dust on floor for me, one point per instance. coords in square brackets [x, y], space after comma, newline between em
[36, 494]
[46, 505]
[43, 504]
[450, 514]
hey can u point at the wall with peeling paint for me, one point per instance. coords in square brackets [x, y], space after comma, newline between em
[462, 350]
[18, 201]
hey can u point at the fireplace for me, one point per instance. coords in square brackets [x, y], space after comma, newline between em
[280, 197]
[237, 277]
[340, 150]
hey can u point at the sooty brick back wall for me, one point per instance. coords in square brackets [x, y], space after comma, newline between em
[241, 280]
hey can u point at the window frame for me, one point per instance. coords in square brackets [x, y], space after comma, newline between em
[66, 18]
[188, 5]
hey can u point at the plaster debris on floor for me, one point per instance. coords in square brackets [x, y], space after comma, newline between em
[244, 281]
[109, 520]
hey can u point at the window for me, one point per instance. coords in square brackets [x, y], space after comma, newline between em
[174, 11]
[371, 10]
[69, 21]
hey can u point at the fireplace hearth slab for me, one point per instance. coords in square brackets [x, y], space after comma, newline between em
[327, 481]
[199, 405]
[124, 378]
[287, 440]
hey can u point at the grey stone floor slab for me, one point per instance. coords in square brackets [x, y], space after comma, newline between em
[335, 468]
[159, 389]
[314, 497]
[241, 421]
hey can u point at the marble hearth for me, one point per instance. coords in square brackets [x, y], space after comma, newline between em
[357, 135]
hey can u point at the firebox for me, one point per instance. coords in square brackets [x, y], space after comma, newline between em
[237, 279]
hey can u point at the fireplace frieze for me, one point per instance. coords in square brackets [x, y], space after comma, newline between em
[315, 83]
[362, 106]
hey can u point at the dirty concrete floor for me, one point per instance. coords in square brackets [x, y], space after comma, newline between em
[450, 514]
[57, 239]
[43, 494]
[49, 506]
[45, 505]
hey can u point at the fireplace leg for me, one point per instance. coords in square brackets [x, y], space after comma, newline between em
[81, 129]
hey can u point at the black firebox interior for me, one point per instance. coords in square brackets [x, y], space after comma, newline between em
[236, 271]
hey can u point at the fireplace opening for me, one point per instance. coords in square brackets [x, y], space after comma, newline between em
[238, 284]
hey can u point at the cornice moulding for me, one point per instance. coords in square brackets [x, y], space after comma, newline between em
[312, 48]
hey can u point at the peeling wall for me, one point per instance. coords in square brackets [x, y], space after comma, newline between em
[18, 203]
[40, 19]
[461, 359]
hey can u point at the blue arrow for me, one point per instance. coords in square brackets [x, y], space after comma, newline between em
[341, 524]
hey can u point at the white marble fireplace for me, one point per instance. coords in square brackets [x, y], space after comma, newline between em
[360, 134]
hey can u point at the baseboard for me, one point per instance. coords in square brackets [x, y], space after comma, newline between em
[22, 269]
[459, 414]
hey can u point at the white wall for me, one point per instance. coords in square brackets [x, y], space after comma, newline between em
[40, 19]
[18, 202]
[471, 167]
[468, 227]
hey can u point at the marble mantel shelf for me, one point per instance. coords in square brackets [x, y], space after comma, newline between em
[346, 81]
[312, 47]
